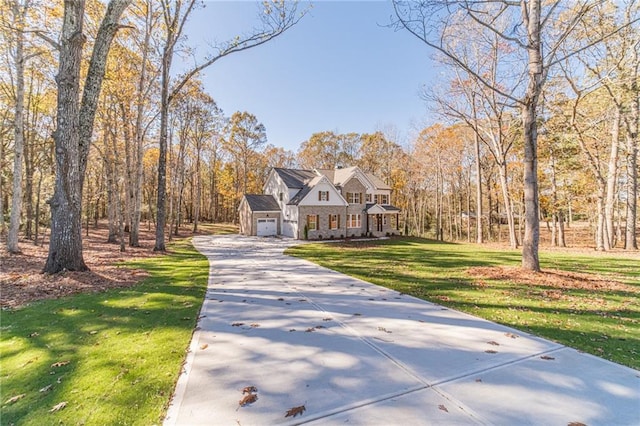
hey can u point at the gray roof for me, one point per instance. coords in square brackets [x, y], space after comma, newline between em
[386, 207]
[304, 191]
[295, 178]
[379, 183]
[262, 203]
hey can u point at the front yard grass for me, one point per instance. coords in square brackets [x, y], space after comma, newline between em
[588, 302]
[103, 358]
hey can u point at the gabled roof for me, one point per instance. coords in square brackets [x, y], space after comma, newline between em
[341, 176]
[262, 203]
[379, 184]
[305, 190]
[295, 178]
[381, 208]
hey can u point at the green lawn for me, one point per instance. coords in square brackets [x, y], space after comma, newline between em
[112, 357]
[600, 321]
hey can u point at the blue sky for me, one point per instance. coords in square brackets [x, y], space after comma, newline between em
[340, 69]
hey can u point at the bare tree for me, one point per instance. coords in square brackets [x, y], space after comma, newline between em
[277, 17]
[18, 12]
[534, 30]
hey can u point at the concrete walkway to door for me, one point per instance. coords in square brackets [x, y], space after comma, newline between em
[351, 352]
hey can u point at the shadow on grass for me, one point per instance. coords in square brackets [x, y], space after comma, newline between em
[437, 272]
[95, 351]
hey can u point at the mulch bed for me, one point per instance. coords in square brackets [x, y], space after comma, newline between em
[22, 280]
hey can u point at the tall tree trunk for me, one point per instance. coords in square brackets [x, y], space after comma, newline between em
[37, 214]
[136, 207]
[18, 131]
[162, 157]
[112, 191]
[74, 128]
[630, 241]
[612, 178]
[198, 184]
[476, 146]
[508, 208]
[600, 217]
[65, 243]
[530, 257]
[3, 226]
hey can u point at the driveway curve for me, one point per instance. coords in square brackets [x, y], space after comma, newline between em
[323, 348]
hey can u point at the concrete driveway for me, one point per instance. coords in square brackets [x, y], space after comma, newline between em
[351, 352]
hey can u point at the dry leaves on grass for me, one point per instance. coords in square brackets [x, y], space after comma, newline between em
[22, 280]
[15, 398]
[293, 412]
[58, 407]
[60, 364]
[562, 280]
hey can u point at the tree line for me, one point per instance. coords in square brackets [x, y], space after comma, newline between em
[145, 147]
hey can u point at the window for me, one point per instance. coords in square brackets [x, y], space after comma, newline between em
[312, 222]
[353, 221]
[334, 221]
[384, 220]
[323, 195]
[280, 196]
[368, 198]
[353, 197]
[382, 199]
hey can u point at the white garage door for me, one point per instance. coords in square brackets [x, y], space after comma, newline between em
[267, 227]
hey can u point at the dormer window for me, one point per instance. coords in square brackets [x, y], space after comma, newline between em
[368, 198]
[323, 195]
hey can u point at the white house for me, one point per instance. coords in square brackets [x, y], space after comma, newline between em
[320, 204]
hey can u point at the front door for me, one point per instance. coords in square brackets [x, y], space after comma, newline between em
[379, 222]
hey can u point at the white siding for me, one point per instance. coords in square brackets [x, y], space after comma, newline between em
[335, 199]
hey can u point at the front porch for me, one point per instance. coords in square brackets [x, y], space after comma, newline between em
[382, 220]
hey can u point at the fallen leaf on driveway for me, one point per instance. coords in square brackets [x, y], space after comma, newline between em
[443, 408]
[254, 325]
[249, 389]
[248, 399]
[327, 319]
[204, 346]
[292, 412]
[15, 398]
[576, 424]
[491, 351]
[493, 343]
[548, 358]
[513, 336]
[58, 407]
[237, 324]
[309, 330]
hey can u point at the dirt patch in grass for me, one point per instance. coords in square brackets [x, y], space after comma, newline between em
[21, 280]
[563, 280]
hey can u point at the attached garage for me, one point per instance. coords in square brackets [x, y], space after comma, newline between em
[267, 227]
[259, 215]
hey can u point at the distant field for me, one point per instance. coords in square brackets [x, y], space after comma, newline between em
[589, 301]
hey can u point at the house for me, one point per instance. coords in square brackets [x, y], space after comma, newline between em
[320, 204]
